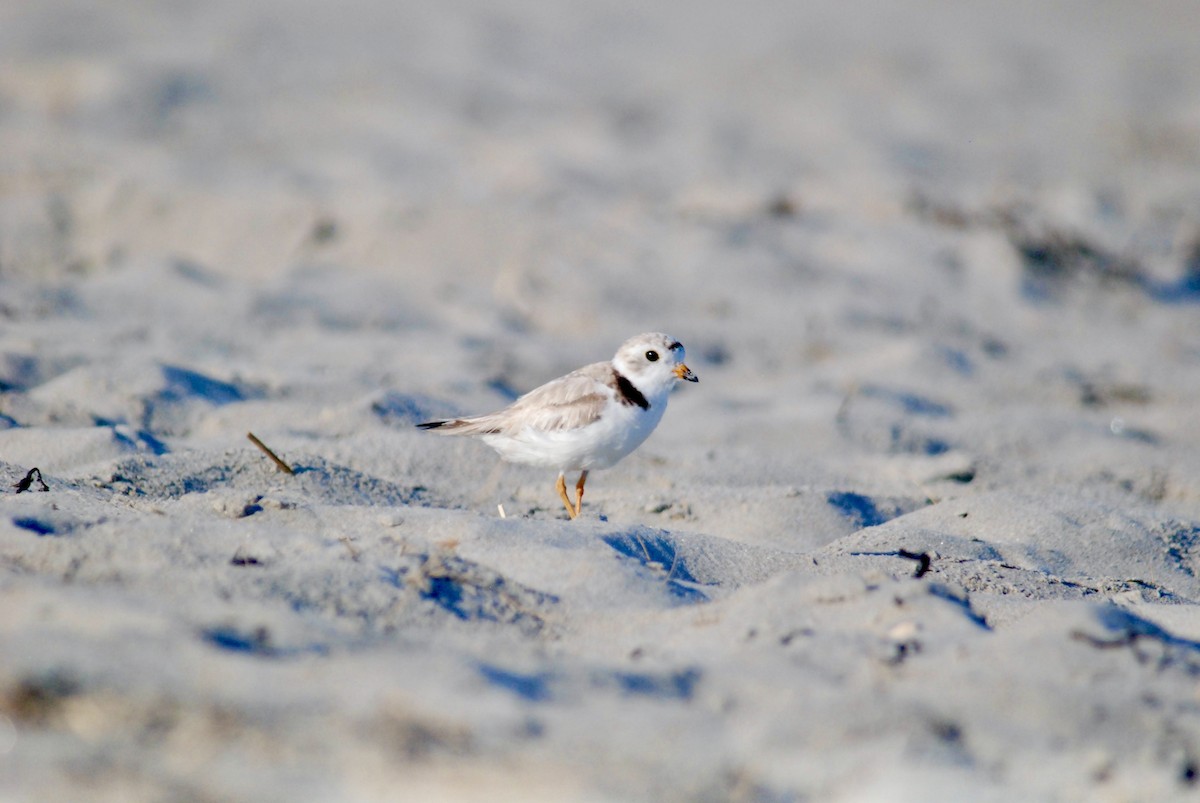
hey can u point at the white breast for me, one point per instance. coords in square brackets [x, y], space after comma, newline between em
[620, 429]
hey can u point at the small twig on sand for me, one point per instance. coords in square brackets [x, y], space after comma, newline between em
[923, 559]
[282, 466]
[347, 542]
[34, 475]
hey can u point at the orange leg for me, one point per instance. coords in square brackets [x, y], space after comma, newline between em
[561, 487]
[579, 492]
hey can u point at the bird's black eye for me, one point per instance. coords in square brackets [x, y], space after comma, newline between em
[652, 355]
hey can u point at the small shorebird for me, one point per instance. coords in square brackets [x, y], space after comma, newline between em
[588, 419]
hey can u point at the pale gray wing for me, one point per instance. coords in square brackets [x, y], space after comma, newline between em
[569, 402]
[566, 403]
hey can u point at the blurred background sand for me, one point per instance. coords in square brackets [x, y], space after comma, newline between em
[937, 265]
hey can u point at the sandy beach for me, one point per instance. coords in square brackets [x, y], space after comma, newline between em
[927, 529]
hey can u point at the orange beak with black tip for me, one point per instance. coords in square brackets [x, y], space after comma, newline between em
[683, 372]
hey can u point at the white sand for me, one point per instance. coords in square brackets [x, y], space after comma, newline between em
[930, 260]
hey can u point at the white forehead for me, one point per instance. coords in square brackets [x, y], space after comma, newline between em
[660, 342]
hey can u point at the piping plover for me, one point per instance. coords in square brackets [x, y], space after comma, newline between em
[588, 419]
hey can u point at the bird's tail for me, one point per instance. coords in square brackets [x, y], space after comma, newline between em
[459, 426]
[448, 424]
